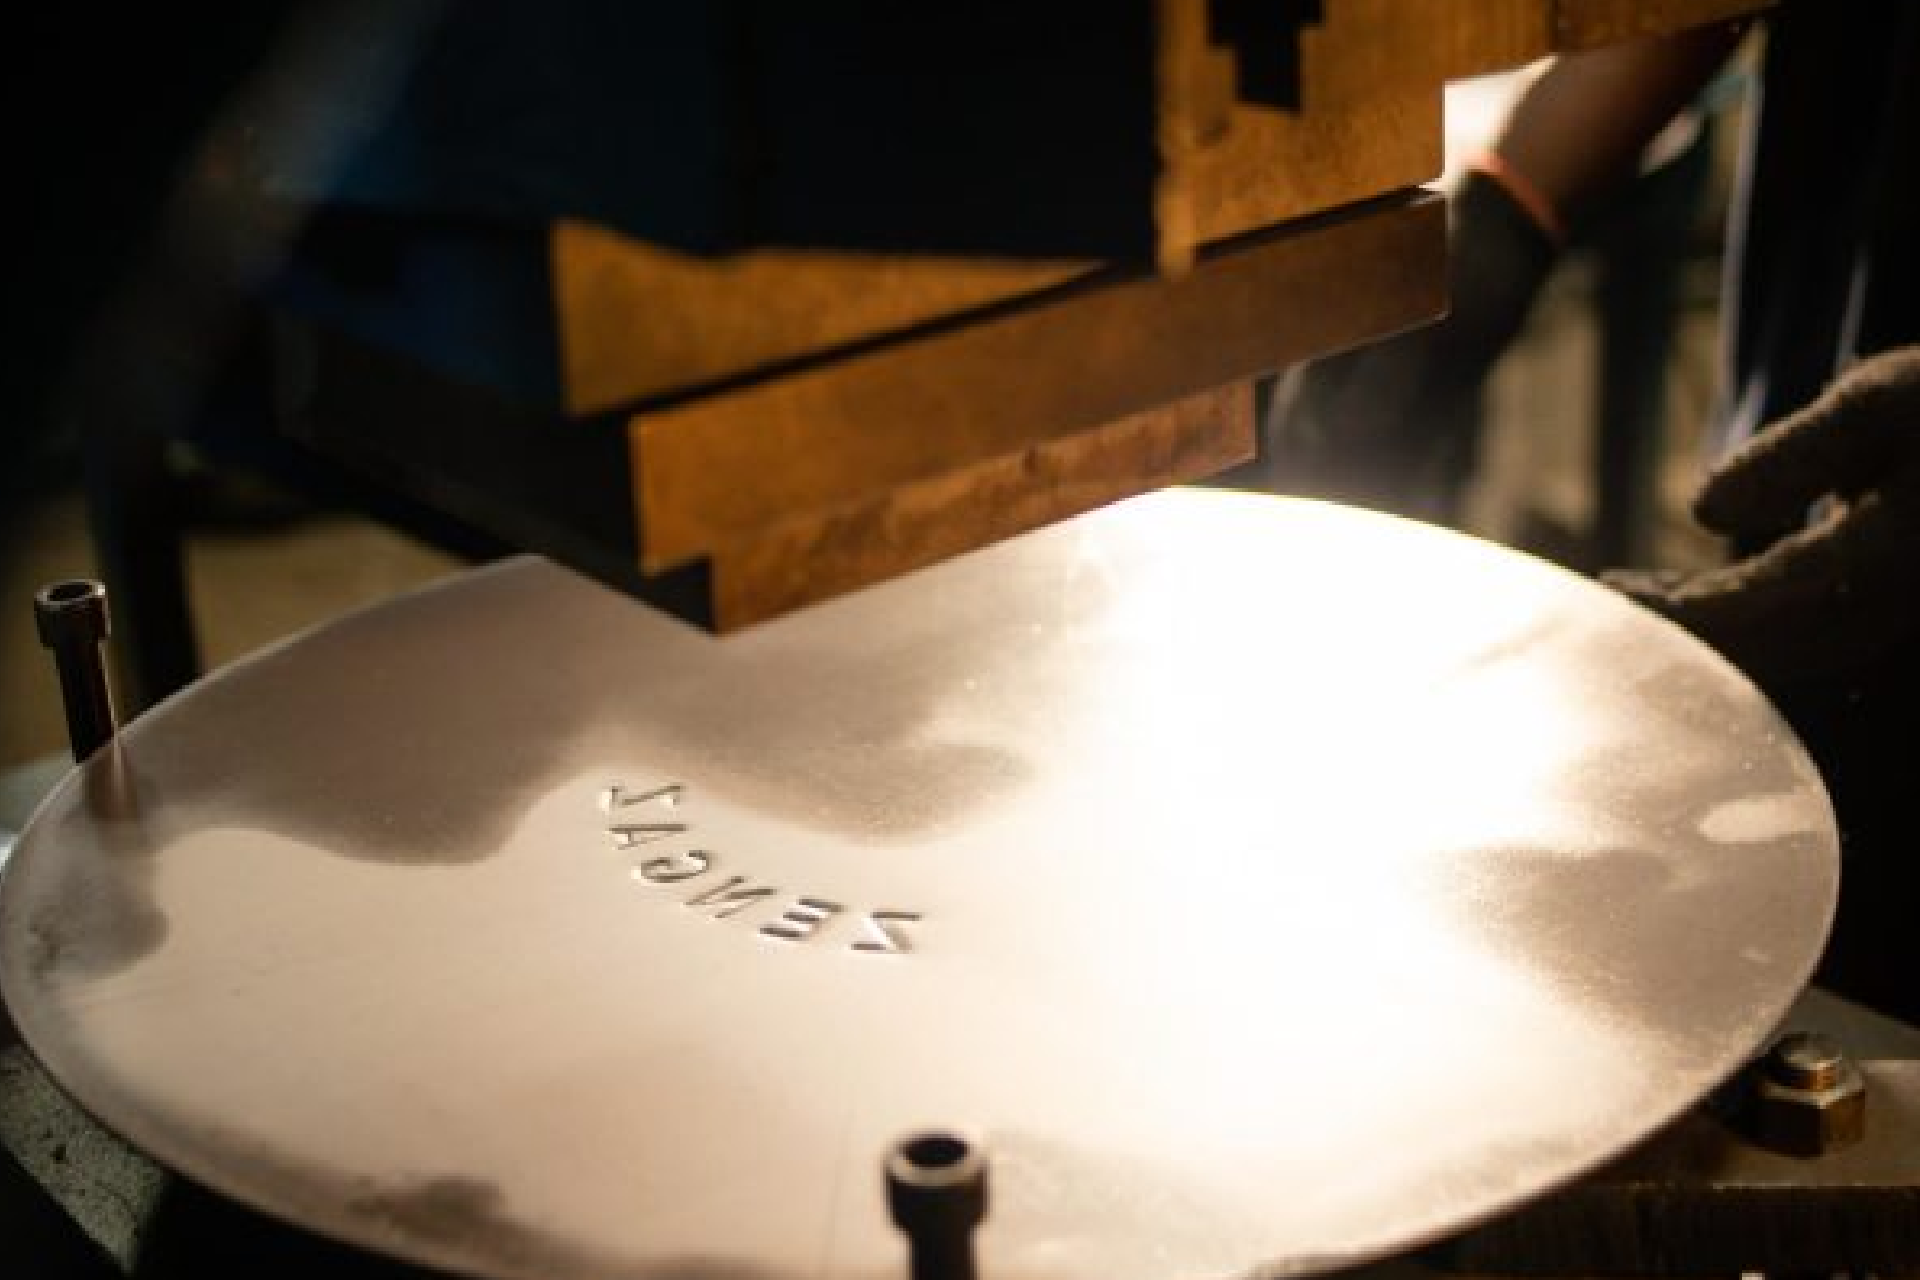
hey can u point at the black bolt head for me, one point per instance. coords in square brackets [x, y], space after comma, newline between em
[936, 1184]
[71, 613]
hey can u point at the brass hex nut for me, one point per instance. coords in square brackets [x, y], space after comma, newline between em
[1808, 1112]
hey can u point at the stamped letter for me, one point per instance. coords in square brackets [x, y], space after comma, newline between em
[734, 895]
[670, 868]
[799, 921]
[886, 932]
[629, 833]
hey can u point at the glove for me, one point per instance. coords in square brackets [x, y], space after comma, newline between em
[1840, 592]
[1393, 424]
[1826, 619]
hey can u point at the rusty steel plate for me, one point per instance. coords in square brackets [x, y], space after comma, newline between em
[1270, 885]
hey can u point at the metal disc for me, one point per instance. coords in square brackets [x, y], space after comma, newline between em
[1270, 885]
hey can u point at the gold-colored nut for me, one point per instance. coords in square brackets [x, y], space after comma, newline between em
[1808, 1098]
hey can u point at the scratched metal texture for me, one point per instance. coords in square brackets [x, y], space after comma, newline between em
[1271, 886]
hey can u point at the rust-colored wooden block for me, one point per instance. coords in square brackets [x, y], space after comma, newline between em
[717, 471]
[1360, 47]
[817, 557]
[1371, 74]
[742, 432]
[1589, 24]
[1231, 165]
[1272, 165]
[635, 321]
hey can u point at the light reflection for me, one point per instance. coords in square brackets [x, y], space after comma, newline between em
[1255, 898]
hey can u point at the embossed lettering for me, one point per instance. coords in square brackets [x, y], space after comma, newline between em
[630, 833]
[885, 932]
[670, 868]
[635, 819]
[799, 921]
[732, 896]
[618, 797]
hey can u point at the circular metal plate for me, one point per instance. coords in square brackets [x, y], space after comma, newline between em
[1271, 885]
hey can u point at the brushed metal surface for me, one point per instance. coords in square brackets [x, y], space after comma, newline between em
[1271, 885]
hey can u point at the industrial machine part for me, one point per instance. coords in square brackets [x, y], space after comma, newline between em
[859, 315]
[1708, 1197]
[72, 621]
[1805, 1098]
[1696, 1199]
[739, 306]
[937, 1195]
[510, 928]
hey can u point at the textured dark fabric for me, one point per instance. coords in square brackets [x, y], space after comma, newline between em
[1825, 611]
[1822, 255]
[1837, 594]
[1817, 478]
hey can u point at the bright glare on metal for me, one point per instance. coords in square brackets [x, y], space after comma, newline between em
[1270, 885]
